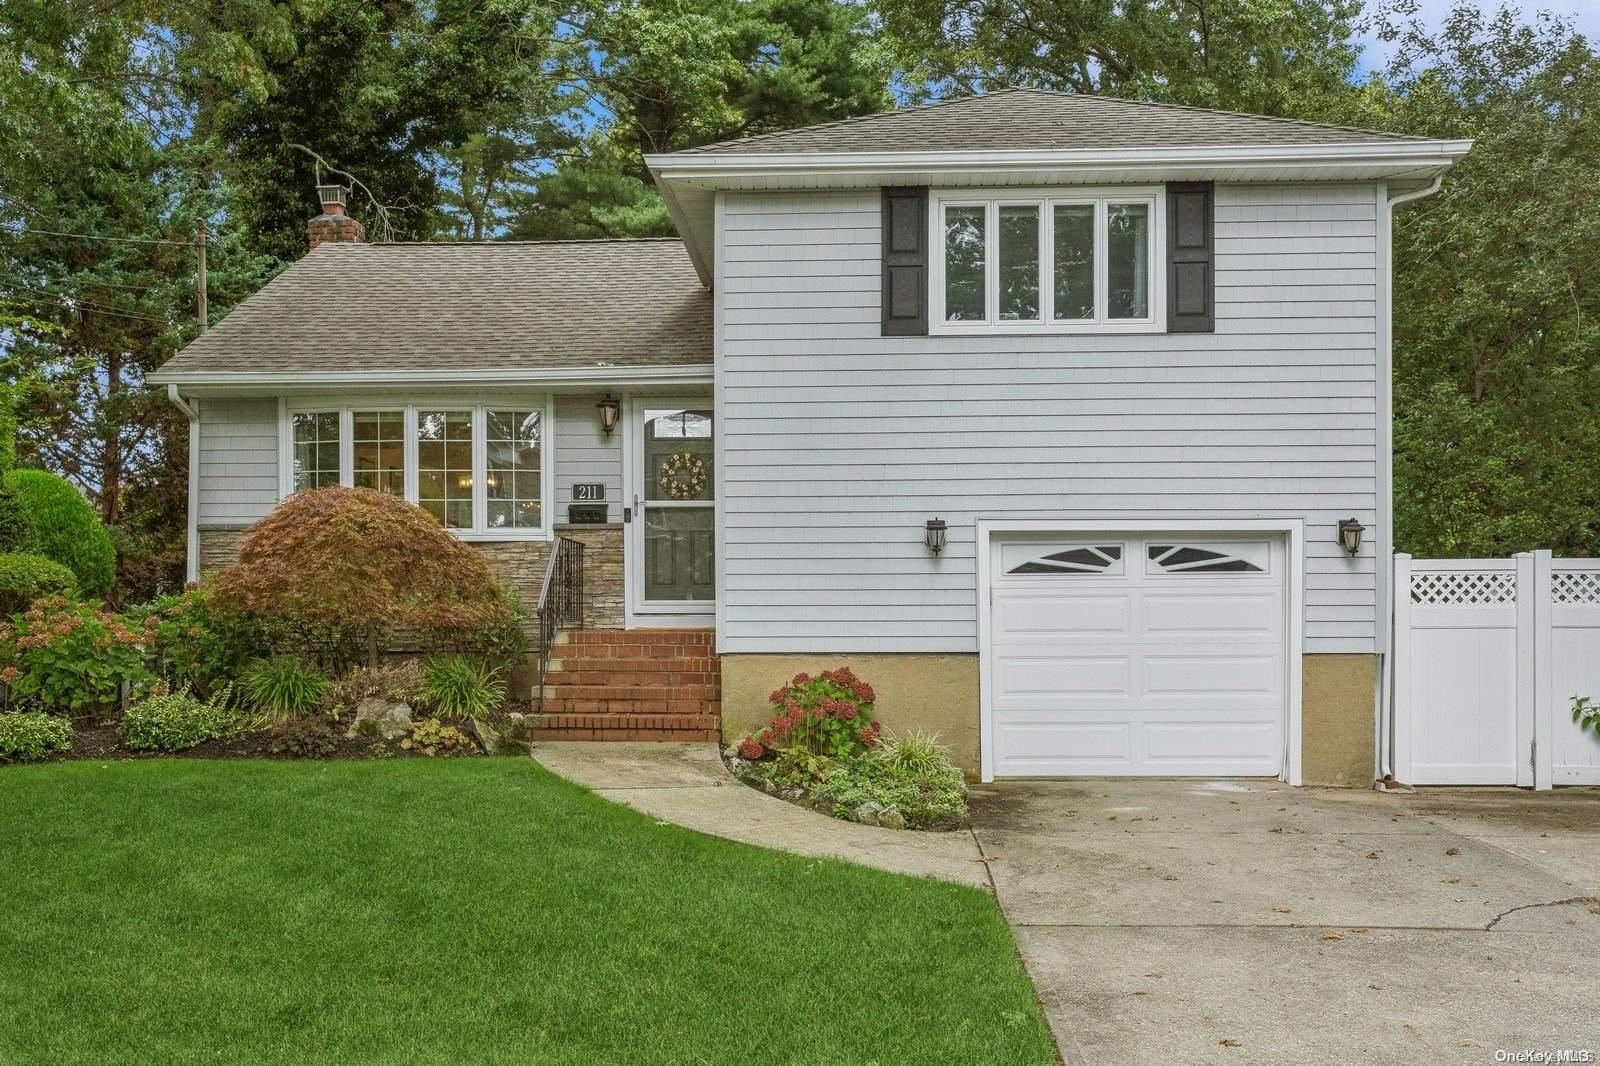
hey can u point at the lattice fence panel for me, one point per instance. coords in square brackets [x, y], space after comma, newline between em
[1463, 588]
[1578, 587]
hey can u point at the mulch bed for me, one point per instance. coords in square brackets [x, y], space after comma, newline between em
[102, 739]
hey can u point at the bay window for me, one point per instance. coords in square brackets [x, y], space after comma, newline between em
[481, 469]
[1064, 261]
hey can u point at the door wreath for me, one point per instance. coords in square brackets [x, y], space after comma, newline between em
[682, 476]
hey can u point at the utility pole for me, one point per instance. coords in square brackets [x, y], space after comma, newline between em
[200, 272]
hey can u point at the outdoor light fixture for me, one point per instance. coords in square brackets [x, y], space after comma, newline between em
[609, 408]
[1350, 535]
[933, 535]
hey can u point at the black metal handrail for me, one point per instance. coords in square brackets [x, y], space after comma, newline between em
[560, 600]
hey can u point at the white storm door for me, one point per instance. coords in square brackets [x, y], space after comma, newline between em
[671, 537]
[1138, 656]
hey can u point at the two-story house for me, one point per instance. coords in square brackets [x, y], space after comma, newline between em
[1063, 420]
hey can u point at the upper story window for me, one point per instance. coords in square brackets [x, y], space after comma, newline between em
[1063, 261]
[483, 470]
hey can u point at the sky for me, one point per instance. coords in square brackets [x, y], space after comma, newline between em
[1584, 15]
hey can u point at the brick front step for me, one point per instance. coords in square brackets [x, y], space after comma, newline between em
[688, 638]
[625, 727]
[628, 705]
[612, 689]
[635, 684]
[678, 664]
[589, 674]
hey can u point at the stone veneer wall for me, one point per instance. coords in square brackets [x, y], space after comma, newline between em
[518, 563]
[521, 564]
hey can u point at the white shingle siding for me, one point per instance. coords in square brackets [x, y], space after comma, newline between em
[584, 453]
[238, 461]
[839, 443]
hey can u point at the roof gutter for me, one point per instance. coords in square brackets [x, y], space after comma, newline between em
[1399, 155]
[687, 373]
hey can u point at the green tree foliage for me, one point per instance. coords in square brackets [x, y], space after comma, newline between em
[663, 75]
[1276, 57]
[1496, 296]
[66, 528]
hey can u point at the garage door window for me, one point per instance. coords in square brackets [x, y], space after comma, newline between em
[1209, 558]
[1102, 559]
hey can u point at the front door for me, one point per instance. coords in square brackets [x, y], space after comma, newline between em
[672, 531]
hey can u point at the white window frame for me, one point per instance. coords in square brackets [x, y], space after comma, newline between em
[1101, 197]
[480, 531]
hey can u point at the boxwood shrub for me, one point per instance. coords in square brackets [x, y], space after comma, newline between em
[66, 528]
[25, 577]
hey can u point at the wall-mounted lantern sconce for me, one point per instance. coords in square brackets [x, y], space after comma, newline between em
[1350, 535]
[933, 535]
[610, 407]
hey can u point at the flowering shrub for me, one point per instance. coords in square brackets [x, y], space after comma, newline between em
[197, 644]
[826, 715]
[32, 736]
[67, 657]
[899, 783]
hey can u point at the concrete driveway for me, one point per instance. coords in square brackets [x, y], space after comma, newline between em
[1205, 921]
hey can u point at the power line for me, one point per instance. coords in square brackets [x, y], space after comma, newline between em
[92, 284]
[91, 305]
[92, 237]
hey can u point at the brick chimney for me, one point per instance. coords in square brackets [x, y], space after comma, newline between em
[333, 226]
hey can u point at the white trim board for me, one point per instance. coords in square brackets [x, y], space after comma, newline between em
[241, 382]
[1292, 529]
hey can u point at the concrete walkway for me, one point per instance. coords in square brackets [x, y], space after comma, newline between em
[688, 785]
[1242, 923]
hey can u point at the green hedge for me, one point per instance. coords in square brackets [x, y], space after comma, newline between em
[25, 578]
[67, 528]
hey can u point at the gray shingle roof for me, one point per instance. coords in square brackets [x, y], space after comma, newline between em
[1040, 119]
[487, 306]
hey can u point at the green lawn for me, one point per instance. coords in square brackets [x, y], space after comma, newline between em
[468, 911]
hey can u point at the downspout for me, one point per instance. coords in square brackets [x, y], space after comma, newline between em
[1385, 671]
[192, 535]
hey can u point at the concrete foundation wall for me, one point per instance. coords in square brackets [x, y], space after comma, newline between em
[1338, 720]
[939, 693]
[934, 693]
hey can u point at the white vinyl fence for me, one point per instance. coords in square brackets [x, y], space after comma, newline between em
[1488, 654]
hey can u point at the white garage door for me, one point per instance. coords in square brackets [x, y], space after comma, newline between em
[1152, 655]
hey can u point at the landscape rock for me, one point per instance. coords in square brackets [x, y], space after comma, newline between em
[377, 717]
[867, 813]
[487, 736]
[891, 818]
[517, 727]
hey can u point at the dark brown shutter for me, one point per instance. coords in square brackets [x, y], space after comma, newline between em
[905, 262]
[1191, 280]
